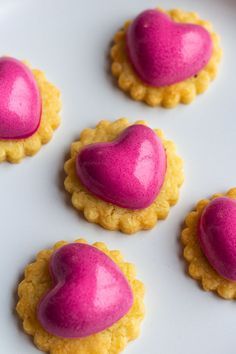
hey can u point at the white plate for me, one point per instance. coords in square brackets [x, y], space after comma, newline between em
[69, 40]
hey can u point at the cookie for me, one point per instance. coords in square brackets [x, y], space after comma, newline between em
[209, 244]
[123, 176]
[61, 300]
[165, 57]
[29, 110]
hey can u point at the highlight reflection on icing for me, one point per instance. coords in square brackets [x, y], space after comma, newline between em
[164, 52]
[20, 101]
[128, 172]
[217, 236]
[89, 293]
[144, 164]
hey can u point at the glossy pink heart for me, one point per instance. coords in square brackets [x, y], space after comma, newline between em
[164, 52]
[128, 172]
[89, 294]
[20, 101]
[217, 236]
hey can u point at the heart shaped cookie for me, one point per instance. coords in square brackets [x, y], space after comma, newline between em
[89, 293]
[164, 52]
[20, 101]
[217, 236]
[128, 172]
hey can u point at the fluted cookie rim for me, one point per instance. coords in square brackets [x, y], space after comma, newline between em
[14, 151]
[37, 282]
[108, 215]
[198, 266]
[170, 96]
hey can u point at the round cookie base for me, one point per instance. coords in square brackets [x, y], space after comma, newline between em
[198, 266]
[113, 340]
[108, 215]
[15, 150]
[168, 96]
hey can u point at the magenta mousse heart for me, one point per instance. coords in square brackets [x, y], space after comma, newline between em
[217, 236]
[20, 101]
[128, 172]
[164, 52]
[89, 293]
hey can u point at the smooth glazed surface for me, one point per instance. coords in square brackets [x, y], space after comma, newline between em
[20, 101]
[111, 216]
[38, 281]
[218, 243]
[89, 293]
[69, 41]
[217, 236]
[140, 82]
[128, 172]
[164, 52]
[15, 150]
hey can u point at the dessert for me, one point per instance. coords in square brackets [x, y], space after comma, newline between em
[29, 107]
[209, 240]
[165, 57]
[81, 298]
[123, 177]
[128, 172]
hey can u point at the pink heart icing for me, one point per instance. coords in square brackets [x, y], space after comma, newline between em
[217, 236]
[89, 293]
[128, 172]
[20, 101]
[164, 52]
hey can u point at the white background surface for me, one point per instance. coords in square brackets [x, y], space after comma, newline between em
[69, 40]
